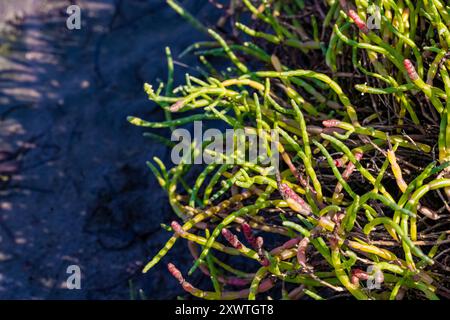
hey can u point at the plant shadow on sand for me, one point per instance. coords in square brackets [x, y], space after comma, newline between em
[74, 188]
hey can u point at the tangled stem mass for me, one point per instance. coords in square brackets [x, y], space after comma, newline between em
[363, 116]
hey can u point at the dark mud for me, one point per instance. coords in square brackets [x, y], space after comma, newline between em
[74, 187]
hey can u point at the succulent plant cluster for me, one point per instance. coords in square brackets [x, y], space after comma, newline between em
[358, 93]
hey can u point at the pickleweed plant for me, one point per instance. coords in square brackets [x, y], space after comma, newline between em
[358, 202]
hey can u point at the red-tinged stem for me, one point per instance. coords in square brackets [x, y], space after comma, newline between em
[259, 248]
[248, 234]
[176, 106]
[339, 162]
[331, 123]
[358, 21]
[232, 281]
[231, 238]
[175, 272]
[412, 73]
[351, 167]
[294, 201]
[301, 252]
[265, 285]
[177, 228]
[255, 243]
[358, 274]
[287, 245]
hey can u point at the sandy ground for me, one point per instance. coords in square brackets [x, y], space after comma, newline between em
[75, 188]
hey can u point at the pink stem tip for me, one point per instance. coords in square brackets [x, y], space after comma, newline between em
[412, 73]
[358, 21]
[232, 239]
[177, 228]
